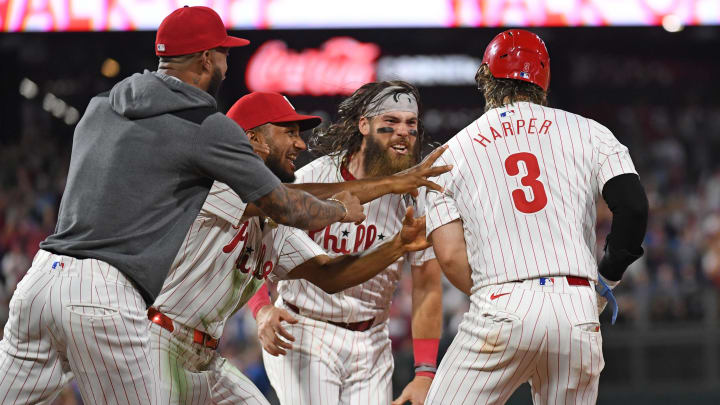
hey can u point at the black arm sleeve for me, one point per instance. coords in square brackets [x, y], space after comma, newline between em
[626, 199]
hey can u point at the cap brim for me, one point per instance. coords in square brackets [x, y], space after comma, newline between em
[231, 42]
[304, 121]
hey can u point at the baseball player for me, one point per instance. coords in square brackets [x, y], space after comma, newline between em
[341, 351]
[515, 230]
[144, 157]
[224, 260]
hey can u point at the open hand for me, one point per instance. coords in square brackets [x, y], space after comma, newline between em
[415, 391]
[408, 181]
[269, 321]
[412, 234]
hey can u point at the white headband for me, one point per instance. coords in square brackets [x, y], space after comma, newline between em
[384, 102]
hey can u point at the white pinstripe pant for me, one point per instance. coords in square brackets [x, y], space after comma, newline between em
[330, 365]
[191, 374]
[547, 334]
[76, 317]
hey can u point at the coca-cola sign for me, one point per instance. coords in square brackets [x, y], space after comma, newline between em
[339, 67]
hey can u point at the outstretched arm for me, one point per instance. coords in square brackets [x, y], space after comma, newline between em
[301, 210]
[334, 275]
[342, 272]
[366, 190]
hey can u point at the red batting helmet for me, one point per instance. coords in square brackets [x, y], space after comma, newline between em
[521, 55]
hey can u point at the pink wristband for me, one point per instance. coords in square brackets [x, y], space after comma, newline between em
[425, 351]
[259, 300]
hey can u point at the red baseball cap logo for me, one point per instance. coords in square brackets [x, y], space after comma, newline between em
[260, 108]
[193, 29]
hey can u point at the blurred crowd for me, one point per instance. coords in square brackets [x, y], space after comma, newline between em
[674, 152]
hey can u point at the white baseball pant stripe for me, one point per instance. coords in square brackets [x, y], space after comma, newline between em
[191, 374]
[330, 365]
[547, 334]
[76, 317]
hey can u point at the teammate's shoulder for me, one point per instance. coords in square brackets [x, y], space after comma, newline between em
[462, 135]
[599, 128]
[327, 160]
[282, 233]
[583, 122]
[323, 163]
[219, 188]
[546, 112]
[218, 120]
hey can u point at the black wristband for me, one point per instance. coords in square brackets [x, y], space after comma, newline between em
[614, 262]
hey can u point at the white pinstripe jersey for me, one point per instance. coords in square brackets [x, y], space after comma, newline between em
[222, 263]
[383, 220]
[525, 181]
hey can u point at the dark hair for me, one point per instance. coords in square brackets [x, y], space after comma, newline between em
[343, 135]
[496, 90]
[178, 58]
[188, 56]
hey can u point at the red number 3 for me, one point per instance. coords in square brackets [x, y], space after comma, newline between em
[539, 198]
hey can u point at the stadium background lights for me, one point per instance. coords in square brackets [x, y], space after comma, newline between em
[110, 68]
[28, 88]
[672, 23]
[51, 103]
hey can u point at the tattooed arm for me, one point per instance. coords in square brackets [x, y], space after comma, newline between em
[407, 181]
[299, 209]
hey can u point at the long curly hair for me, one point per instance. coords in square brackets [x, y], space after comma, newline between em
[496, 91]
[343, 135]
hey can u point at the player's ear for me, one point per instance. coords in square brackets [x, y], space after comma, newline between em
[256, 136]
[364, 126]
[206, 61]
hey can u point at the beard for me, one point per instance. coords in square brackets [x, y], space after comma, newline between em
[379, 162]
[215, 81]
[274, 163]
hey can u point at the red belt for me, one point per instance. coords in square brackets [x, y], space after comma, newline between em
[166, 323]
[572, 280]
[361, 326]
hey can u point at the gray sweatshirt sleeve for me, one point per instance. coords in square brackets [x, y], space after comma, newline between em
[223, 152]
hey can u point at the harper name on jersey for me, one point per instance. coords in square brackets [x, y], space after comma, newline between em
[513, 128]
[525, 181]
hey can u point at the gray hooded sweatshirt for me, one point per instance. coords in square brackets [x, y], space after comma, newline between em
[140, 171]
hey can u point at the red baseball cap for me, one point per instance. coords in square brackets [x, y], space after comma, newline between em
[193, 29]
[259, 108]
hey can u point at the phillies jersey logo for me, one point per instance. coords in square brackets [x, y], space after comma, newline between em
[240, 237]
[364, 238]
[261, 269]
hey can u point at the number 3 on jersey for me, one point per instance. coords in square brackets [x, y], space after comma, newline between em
[539, 198]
